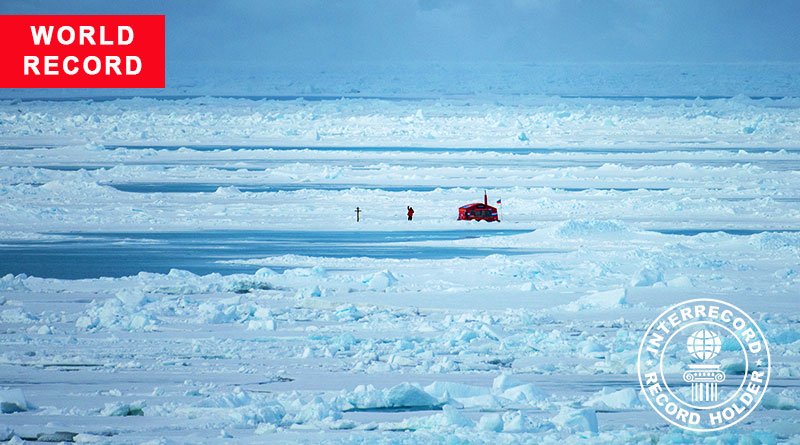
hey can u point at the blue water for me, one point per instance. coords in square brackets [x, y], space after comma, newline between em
[260, 164]
[320, 97]
[737, 232]
[167, 187]
[161, 187]
[280, 98]
[172, 187]
[438, 150]
[778, 199]
[93, 255]
[676, 97]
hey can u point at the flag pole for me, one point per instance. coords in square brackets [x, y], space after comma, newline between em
[500, 209]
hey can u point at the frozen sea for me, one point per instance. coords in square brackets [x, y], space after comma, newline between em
[190, 269]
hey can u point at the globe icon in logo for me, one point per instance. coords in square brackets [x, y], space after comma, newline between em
[704, 344]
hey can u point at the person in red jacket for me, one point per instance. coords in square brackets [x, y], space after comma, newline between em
[410, 213]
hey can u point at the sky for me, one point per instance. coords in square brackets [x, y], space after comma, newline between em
[322, 32]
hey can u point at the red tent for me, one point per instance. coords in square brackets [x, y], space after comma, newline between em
[478, 211]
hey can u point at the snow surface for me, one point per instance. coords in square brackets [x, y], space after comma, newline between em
[517, 121]
[622, 208]
[663, 190]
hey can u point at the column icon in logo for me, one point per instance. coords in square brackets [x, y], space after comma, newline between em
[704, 345]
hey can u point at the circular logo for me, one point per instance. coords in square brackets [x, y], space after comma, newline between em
[703, 365]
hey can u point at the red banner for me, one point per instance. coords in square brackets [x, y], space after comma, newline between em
[82, 51]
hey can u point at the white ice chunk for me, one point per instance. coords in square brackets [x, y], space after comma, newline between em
[13, 282]
[380, 281]
[132, 298]
[12, 400]
[610, 299]
[527, 393]
[404, 395]
[646, 276]
[491, 422]
[681, 281]
[784, 400]
[123, 409]
[450, 418]
[733, 366]
[314, 410]
[517, 422]
[455, 390]
[348, 312]
[584, 228]
[115, 315]
[16, 315]
[6, 434]
[592, 348]
[261, 325]
[576, 419]
[265, 272]
[610, 400]
[503, 382]
[453, 417]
